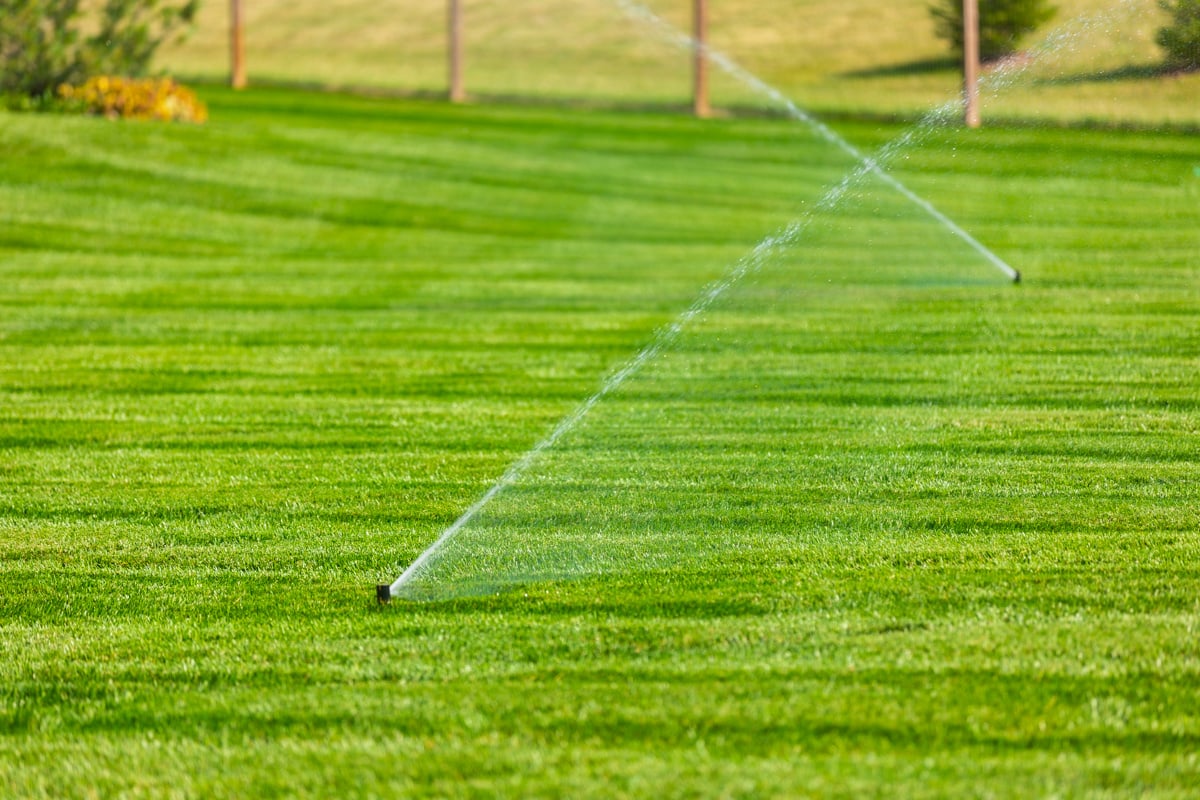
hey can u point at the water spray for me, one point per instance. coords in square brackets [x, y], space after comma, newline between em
[866, 165]
[749, 79]
[1005, 76]
[664, 338]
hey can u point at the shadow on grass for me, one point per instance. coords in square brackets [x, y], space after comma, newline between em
[929, 66]
[479, 98]
[926, 66]
[732, 111]
[1129, 72]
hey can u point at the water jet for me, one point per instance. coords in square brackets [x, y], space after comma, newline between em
[865, 166]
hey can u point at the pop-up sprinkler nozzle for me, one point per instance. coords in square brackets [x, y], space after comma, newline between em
[383, 592]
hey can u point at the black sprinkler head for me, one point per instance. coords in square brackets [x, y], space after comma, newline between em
[1016, 277]
[383, 592]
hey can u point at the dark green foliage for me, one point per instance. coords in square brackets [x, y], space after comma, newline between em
[1181, 39]
[43, 45]
[39, 45]
[1002, 24]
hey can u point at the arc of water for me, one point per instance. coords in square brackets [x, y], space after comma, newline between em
[743, 75]
[866, 165]
[662, 340]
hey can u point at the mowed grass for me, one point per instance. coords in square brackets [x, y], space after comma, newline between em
[1096, 62]
[880, 523]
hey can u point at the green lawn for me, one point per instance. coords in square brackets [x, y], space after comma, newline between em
[880, 524]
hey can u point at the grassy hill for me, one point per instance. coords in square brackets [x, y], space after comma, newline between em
[881, 523]
[833, 56]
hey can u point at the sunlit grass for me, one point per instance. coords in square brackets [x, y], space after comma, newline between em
[880, 522]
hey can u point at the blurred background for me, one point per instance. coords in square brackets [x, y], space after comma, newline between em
[1095, 61]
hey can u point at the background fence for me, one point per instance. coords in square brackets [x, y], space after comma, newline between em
[872, 56]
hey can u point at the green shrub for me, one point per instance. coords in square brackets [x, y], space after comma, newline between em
[1181, 39]
[43, 44]
[1002, 24]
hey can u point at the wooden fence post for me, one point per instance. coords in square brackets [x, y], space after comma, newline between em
[455, 34]
[971, 63]
[700, 106]
[237, 55]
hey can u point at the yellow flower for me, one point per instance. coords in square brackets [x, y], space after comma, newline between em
[160, 99]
